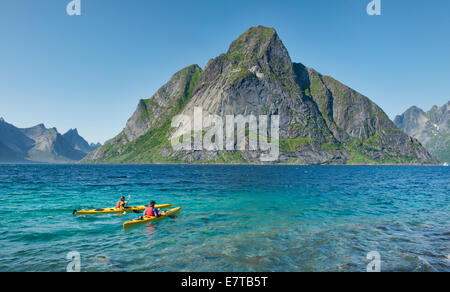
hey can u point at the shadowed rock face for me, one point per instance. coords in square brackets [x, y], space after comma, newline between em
[7, 155]
[430, 128]
[15, 144]
[321, 120]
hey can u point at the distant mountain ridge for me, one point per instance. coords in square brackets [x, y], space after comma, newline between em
[38, 144]
[322, 120]
[431, 128]
[78, 142]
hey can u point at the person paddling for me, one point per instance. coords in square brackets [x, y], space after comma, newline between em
[151, 211]
[121, 204]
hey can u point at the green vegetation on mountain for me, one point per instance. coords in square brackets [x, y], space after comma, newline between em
[322, 121]
[148, 147]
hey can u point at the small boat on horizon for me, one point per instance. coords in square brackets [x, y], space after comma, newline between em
[446, 164]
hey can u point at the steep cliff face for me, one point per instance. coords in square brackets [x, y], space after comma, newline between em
[15, 144]
[430, 128]
[321, 120]
[148, 127]
[358, 123]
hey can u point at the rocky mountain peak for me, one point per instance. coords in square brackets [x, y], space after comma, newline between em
[415, 109]
[430, 128]
[261, 48]
[39, 144]
[77, 142]
[73, 131]
[254, 40]
[322, 121]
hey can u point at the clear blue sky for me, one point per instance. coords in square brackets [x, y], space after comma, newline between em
[90, 71]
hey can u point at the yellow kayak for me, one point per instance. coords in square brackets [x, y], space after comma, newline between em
[151, 219]
[115, 210]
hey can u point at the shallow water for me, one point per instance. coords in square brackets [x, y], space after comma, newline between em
[235, 218]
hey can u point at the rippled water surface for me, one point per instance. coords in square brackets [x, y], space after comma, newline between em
[235, 218]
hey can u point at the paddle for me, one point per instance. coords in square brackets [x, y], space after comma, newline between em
[171, 216]
[125, 206]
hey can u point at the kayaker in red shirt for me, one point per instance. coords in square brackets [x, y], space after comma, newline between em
[151, 211]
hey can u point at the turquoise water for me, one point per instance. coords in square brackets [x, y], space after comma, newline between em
[235, 218]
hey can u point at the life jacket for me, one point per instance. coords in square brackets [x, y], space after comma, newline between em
[149, 212]
[119, 205]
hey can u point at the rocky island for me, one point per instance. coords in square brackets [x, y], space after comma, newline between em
[322, 121]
